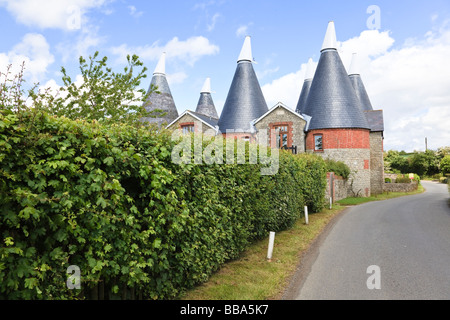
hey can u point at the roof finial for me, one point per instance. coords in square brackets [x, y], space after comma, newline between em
[161, 66]
[354, 66]
[330, 41]
[246, 52]
[206, 86]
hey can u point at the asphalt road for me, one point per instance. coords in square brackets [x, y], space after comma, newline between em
[407, 238]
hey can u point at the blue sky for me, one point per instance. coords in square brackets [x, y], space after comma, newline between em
[403, 63]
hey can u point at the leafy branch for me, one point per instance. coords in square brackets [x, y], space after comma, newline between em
[100, 94]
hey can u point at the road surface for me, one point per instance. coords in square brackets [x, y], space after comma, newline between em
[407, 239]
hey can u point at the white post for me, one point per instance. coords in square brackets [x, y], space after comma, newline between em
[306, 215]
[271, 241]
[331, 203]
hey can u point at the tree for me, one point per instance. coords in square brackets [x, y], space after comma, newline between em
[442, 152]
[12, 94]
[445, 165]
[424, 163]
[421, 163]
[397, 161]
[103, 95]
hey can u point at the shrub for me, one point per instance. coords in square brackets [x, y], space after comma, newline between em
[416, 178]
[402, 179]
[387, 180]
[338, 167]
[445, 165]
[110, 200]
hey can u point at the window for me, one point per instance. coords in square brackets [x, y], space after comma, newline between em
[282, 136]
[318, 142]
[187, 128]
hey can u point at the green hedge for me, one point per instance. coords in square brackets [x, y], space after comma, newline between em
[111, 201]
[404, 178]
[338, 167]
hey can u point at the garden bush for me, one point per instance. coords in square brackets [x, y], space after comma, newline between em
[110, 200]
[402, 179]
[338, 167]
[417, 178]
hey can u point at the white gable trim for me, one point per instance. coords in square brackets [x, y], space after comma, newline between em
[279, 105]
[192, 115]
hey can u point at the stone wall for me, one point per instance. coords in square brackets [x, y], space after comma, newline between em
[337, 187]
[391, 176]
[351, 146]
[400, 187]
[358, 162]
[200, 127]
[376, 163]
[281, 116]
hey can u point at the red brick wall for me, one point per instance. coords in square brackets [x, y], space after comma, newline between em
[340, 139]
[273, 139]
[366, 164]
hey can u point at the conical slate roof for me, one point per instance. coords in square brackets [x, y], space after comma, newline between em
[303, 96]
[305, 88]
[358, 84]
[205, 104]
[245, 101]
[161, 102]
[332, 100]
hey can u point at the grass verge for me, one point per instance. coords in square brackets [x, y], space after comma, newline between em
[252, 277]
[383, 196]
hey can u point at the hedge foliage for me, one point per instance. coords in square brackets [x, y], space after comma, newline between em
[111, 201]
[404, 178]
[338, 167]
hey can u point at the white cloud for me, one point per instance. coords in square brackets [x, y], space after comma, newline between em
[285, 89]
[179, 54]
[242, 31]
[434, 17]
[188, 51]
[86, 42]
[213, 22]
[134, 12]
[262, 74]
[60, 14]
[176, 78]
[204, 5]
[34, 51]
[206, 17]
[409, 82]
